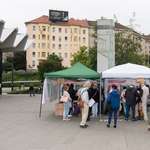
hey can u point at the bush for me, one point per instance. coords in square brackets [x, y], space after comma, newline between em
[25, 91]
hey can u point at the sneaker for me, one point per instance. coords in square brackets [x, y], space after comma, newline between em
[69, 115]
[79, 115]
[126, 119]
[92, 116]
[86, 125]
[82, 126]
[134, 119]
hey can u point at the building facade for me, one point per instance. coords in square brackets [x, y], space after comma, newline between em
[61, 38]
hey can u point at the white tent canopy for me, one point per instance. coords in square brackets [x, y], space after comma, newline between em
[127, 71]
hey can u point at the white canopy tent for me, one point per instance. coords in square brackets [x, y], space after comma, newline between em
[127, 71]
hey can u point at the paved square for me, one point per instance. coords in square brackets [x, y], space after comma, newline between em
[22, 129]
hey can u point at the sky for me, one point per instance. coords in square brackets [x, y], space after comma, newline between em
[16, 13]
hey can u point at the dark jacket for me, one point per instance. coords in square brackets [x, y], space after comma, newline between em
[31, 88]
[114, 99]
[71, 91]
[90, 92]
[95, 96]
[130, 95]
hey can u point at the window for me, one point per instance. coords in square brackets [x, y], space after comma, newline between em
[43, 54]
[39, 37]
[48, 28]
[66, 38]
[66, 46]
[33, 45]
[71, 30]
[139, 51]
[75, 30]
[83, 40]
[53, 46]
[79, 39]
[53, 38]
[48, 37]
[47, 54]
[38, 54]
[43, 37]
[75, 38]
[59, 38]
[48, 45]
[34, 28]
[39, 28]
[149, 52]
[43, 28]
[145, 47]
[53, 53]
[75, 53]
[43, 45]
[70, 55]
[79, 31]
[149, 47]
[33, 54]
[59, 30]
[75, 46]
[53, 29]
[83, 31]
[59, 46]
[33, 36]
[65, 55]
[71, 38]
[39, 45]
[59, 55]
[65, 30]
[33, 63]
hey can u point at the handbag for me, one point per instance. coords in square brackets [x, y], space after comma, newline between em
[80, 102]
[148, 103]
[64, 99]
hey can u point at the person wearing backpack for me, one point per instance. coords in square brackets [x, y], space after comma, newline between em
[85, 100]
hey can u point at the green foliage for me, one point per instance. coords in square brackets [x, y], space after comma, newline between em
[93, 57]
[25, 91]
[48, 66]
[95, 31]
[7, 66]
[54, 57]
[82, 56]
[126, 47]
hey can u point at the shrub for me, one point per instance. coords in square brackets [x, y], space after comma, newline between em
[25, 91]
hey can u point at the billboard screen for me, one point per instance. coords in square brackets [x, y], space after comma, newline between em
[55, 15]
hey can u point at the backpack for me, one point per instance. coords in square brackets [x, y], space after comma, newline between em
[80, 103]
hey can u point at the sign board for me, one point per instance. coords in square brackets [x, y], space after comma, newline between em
[55, 15]
[105, 45]
[140, 79]
[61, 80]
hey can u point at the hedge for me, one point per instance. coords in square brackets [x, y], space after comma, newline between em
[25, 91]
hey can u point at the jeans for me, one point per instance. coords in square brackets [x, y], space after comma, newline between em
[89, 112]
[124, 107]
[128, 109]
[95, 109]
[115, 116]
[66, 110]
[31, 91]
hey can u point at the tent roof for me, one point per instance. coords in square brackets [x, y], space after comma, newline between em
[127, 71]
[78, 70]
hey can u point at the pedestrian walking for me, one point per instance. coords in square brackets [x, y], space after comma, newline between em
[66, 105]
[32, 90]
[114, 99]
[85, 100]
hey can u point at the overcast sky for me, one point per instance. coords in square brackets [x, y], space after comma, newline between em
[15, 13]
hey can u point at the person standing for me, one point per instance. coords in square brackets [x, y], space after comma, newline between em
[66, 105]
[71, 91]
[130, 95]
[114, 99]
[148, 114]
[85, 100]
[124, 100]
[144, 99]
[32, 90]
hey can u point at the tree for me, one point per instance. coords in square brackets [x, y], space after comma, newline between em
[82, 56]
[19, 60]
[7, 66]
[48, 66]
[54, 57]
[93, 57]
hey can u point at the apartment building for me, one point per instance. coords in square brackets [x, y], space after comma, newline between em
[61, 38]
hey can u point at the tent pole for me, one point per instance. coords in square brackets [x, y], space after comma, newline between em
[59, 91]
[41, 100]
[100, 99]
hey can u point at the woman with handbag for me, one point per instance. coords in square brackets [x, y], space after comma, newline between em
[114, 99]
[66, 104]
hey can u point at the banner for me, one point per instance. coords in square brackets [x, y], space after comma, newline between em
[50, 91]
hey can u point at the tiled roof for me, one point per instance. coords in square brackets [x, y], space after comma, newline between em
[45, 19]
[120, 26]
[91, 23]
[147, 36]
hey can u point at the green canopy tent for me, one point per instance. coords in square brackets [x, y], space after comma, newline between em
[78, 70]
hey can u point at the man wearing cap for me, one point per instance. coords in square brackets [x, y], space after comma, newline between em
[144, 99]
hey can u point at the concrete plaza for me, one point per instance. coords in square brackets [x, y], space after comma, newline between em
[22, 129]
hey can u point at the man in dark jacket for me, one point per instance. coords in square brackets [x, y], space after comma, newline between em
[130, 95]
[31, 90]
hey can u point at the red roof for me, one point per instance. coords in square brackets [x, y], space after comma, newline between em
[72, 21]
